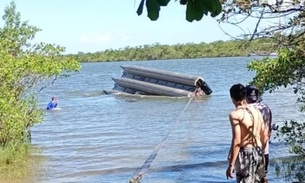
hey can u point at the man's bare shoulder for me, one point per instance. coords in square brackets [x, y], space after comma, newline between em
[236, 114]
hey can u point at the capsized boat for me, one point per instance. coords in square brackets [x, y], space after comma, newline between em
[139, 80]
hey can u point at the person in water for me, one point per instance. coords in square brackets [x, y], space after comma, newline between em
[52, 104]
[252, 97]
[249, 139]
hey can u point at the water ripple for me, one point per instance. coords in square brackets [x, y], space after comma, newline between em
[102, 138]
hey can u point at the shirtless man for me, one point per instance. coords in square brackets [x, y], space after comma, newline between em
[252, 97]
[248, 140]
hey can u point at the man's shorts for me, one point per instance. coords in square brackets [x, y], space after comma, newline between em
[250, 165]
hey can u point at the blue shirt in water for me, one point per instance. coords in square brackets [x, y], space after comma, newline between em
[51, 105]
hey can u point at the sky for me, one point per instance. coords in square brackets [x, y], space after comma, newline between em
[97, 25]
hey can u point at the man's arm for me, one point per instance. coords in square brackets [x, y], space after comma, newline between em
[229, 153]
[236, 138]
[49, 106]
[270, 124]
[263, 132]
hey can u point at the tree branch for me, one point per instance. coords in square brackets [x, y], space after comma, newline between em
[255, 30]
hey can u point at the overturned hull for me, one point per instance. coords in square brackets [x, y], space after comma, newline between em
[148, 81]
[150, 88]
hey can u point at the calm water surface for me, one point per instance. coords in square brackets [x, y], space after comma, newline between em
[98, 138]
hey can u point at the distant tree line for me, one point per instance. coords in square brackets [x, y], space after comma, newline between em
[180, 51]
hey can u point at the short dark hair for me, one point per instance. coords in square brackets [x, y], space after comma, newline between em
[238, 92]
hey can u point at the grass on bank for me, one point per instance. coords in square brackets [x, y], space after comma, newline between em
[16, 162]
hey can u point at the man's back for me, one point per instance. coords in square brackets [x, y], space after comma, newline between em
[248, 137]
[266, 113]
[51, 105]
[267, 117]
[251, 126]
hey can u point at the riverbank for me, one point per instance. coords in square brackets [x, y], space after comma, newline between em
[233, 48]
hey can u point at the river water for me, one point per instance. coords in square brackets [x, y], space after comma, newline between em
[98, 138]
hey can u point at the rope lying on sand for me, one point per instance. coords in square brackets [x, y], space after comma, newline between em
[138, 175]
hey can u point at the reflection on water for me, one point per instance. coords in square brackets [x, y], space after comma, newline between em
[291, 169]
[105, 138]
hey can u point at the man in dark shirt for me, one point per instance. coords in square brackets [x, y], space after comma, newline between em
[252, 97]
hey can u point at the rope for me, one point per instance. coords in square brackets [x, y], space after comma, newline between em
[138, 175]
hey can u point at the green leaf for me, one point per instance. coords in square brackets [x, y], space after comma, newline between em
[183, 2]
[202, 6]
[153, 15]
[189, 12]
[153, 9]
[208, 5]
[217, 8]
[163, 2]
[198, 10]
[194, 11]
[140, 8]
[213, 6]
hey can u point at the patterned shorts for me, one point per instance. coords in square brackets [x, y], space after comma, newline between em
[250, 165]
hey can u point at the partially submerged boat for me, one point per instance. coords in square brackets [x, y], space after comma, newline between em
[138, 80]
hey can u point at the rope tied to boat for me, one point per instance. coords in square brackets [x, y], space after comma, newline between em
[145, 167]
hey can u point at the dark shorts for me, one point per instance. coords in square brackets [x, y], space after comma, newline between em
[266, 163]
[250, 165]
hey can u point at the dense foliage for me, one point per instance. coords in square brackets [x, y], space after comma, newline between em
[22, 67]
[179, 51]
